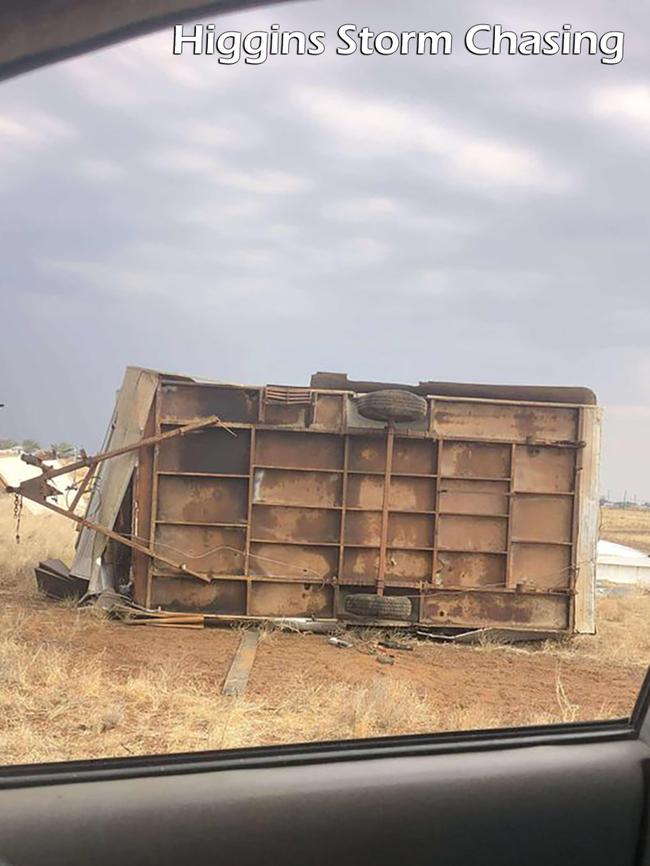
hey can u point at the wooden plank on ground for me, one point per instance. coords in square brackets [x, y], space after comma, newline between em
[242, 664]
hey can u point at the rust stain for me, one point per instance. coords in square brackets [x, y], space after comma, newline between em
[458, 518]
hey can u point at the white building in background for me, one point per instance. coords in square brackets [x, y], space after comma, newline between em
[13, 471]
[623, 566]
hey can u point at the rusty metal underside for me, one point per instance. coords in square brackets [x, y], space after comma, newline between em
[526, 393]
[473, 513]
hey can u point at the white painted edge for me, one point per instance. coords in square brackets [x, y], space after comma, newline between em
[588, 524]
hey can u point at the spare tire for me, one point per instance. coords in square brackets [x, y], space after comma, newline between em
[392, 405]
[378, 606]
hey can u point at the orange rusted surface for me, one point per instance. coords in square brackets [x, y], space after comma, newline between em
[474, 511]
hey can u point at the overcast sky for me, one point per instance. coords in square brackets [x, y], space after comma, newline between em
[404, 218]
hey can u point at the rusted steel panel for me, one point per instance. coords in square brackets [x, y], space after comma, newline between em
[473, 609]
[365, 491]
[186, 594]
[189, 401]
[412, 494]
[293, 524]
[328, 411]
[408, 564]
[293, 561]
[287, 416]
[202, 500]
[466, 496]
[367, 453]
[541, 566]
[514, 423]
[361, 563]
[544, 470]
[291, 599]
[299, 450]
[471, 569]
[297, 488]
[414, 456]
[465, 533]
[475, 460]
[205, 549]
[363, 527]
[542, 518]
[410, 530]
[208, 451]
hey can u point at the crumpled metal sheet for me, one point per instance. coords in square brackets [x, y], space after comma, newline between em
[134, 401]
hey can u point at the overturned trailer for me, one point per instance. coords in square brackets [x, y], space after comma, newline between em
[446, 505]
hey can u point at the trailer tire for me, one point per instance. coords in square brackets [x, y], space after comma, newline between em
[392, 405]
[378, 606]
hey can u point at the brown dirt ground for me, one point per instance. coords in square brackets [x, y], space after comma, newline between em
[74, 684]
[515, 684]
[125, 650]
[502, 684]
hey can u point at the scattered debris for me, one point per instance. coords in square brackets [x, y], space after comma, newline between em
[396, 645]
[14, 470]
[242, 664]
[440, 637]
[112, 602]
[54, 579]
[302, 624]
[171, 622]
[483, 635]
[342, 644]
[503, 635]
[125, 610]
[385, 660]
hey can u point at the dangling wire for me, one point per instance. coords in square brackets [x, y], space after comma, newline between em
[18, 513]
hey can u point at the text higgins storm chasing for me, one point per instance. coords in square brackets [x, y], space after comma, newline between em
[483, 40]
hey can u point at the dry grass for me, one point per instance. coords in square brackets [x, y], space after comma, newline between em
[43, 536]
[623, 632]
[622, 638]
[629, 526]
[58, 703]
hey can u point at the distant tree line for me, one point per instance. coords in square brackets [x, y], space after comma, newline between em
[623, 503]
[31, 446]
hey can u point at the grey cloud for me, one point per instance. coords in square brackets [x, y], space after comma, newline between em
[454, 217]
